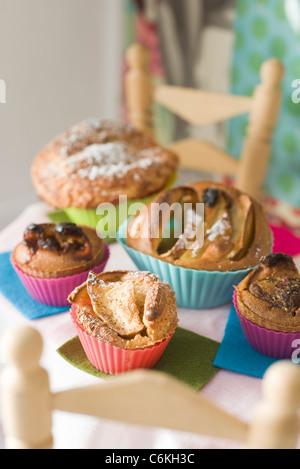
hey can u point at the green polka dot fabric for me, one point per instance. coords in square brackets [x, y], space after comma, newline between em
[264, 29]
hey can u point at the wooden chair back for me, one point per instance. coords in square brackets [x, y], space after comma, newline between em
[202, 108]
[27, 403]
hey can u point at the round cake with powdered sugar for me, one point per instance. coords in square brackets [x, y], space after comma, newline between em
[97, 161]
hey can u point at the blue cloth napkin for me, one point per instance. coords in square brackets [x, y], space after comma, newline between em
[235, 354]
[13, 290]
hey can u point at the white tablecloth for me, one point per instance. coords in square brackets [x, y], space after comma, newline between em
[238, 394]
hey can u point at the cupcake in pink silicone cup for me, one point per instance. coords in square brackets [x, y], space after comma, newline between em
[124, 320]
[267, 303]
[53, 259]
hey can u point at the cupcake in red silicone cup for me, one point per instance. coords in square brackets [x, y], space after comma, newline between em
[267, 303]
[124, 320]
[53, 259]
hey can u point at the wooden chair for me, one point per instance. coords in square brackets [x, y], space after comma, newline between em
[27, 402]
[204, 108]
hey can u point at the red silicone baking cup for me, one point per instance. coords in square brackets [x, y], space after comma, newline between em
[114, 360]
[281, 345]
[55, 291]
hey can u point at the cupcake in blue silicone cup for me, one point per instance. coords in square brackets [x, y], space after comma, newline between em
[203, 239]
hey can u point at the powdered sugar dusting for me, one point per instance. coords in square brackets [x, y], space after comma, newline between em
[106, 159]
[113, 126]
[93, 129]
[219, 229]
[51, 170]
[97, 148]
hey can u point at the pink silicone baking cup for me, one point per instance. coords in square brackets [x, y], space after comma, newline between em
[55, 291]
[273, 344]
[114, 360]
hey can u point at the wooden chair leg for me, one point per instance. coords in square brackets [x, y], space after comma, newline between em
[25, 392]
[139, 89]
[263, 117]
[275, 423]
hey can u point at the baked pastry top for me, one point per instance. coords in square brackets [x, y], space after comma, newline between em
[270, 295]
[96, 161]
[130, 310]
[231, 233]
[51, 250]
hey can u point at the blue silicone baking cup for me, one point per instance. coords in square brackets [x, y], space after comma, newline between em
[194, 289]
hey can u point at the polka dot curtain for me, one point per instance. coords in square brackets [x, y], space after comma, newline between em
[264, 29]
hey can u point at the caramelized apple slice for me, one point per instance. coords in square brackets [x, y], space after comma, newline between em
[156, 302]
[217, 232]
[147, 229]
[114, 303]
[243, 227]
[80, 298]
[185, 222]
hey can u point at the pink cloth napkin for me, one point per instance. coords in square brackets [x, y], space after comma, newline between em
[285, 241]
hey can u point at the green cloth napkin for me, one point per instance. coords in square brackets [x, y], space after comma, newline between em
[188, 357]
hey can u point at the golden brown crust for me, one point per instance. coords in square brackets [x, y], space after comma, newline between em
[130, 310]
[270, 295]
[54, 251]
[236, 230]
[96, 161]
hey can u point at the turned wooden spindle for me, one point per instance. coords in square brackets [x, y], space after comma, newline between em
[139, 89]
[25, 392]
[275, 423]
[262, 120]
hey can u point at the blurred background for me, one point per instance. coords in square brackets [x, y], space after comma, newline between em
[60, 60]
[64, 61]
